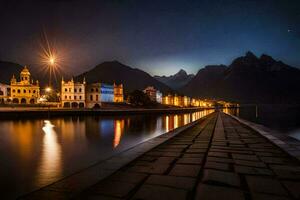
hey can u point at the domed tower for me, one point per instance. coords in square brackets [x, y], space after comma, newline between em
[25, 76]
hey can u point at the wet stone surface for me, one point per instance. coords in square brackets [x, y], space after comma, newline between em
[217, 158]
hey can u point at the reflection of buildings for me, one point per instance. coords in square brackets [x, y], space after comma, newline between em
[24, 91]
[118, 131]
[73, 94]
[153, 94]
[50, 166]
[93, 95]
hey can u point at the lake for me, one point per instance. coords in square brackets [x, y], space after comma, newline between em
[283, 118]
[37, 152]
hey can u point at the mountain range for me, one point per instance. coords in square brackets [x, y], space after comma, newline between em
[177, 80]
[132, 78]
[248, 79]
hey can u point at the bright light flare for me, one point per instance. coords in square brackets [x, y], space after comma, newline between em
[48, 89]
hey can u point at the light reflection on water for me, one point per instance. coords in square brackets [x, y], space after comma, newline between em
[37, 152]
[50, 165]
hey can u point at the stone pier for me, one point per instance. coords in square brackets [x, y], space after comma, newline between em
[217, 158]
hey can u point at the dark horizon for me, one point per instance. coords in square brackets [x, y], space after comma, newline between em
[157, 37]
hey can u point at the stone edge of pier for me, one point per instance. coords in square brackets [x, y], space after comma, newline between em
[288, 144]
[75, 183]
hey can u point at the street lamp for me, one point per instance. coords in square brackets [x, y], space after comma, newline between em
[52, 63]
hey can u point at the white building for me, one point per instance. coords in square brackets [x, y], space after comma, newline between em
[4, 92]
[73, 94]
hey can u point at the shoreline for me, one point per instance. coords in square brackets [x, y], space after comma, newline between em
[58, 112]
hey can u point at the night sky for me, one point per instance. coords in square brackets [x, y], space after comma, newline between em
[159, 37]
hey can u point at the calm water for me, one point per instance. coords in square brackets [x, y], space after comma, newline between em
[283, 118]
[37, 152]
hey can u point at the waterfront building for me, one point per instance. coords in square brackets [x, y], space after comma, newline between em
[153, 94]
[73, 94]
[150, 92]
[107, 93]
[93, 95]
[4, 93]
[25, 91]
[118, 93]
[158, 96]
[168, 99]
[186, 101]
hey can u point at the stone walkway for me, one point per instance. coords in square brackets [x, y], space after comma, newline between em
[216, 159]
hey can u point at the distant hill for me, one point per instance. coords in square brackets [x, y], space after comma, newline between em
[7, 69]
[114, 71]
[248, 79]
[177, 80]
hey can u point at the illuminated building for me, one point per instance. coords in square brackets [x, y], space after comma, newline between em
[118, 93]
[93, 95]
[168, 100]
[158, 96]
[4, 93]
[73, 94]
[24, 91]
[153, 94]
[107, 93]
[186, 101]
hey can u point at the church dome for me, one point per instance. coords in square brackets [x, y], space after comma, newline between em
[25, 71]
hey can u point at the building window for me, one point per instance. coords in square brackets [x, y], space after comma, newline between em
[29, 91]
[79, 97]
[70, 97]
[24, 91]
[69, 89]
[66, 90]
[91, 97]
[96, 97]
[13, 91]
[19, 91]
[79, 89]
[75, 90]
[33, 91]
[66, 97]
[75, 97]
[26, 78]
[92, 90]
[97, 90]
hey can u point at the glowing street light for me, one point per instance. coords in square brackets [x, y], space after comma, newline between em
[52, 61]
[48, 89]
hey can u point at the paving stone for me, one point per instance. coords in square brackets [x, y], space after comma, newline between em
[274, 160]
[293, 188]
[113, 188]
[221, 177]
[98, 197]
[47, 195]
[244, 157]
[222, 160]
[171, 154]
[195, 161]
[210, 192]
[185, 170]
[155, 192]
[217, 165]
[128, 177]
[153, 169]
[250, 163]
[172, 181]
[193, 155]
[191, 150]
[252, 170]
[164, 160]
[218, 154]
[265, 185]
[259, 196]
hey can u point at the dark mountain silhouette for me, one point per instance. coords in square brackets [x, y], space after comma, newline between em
[7, 69]
[177, 80]
[114, 71]
[248, 79]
